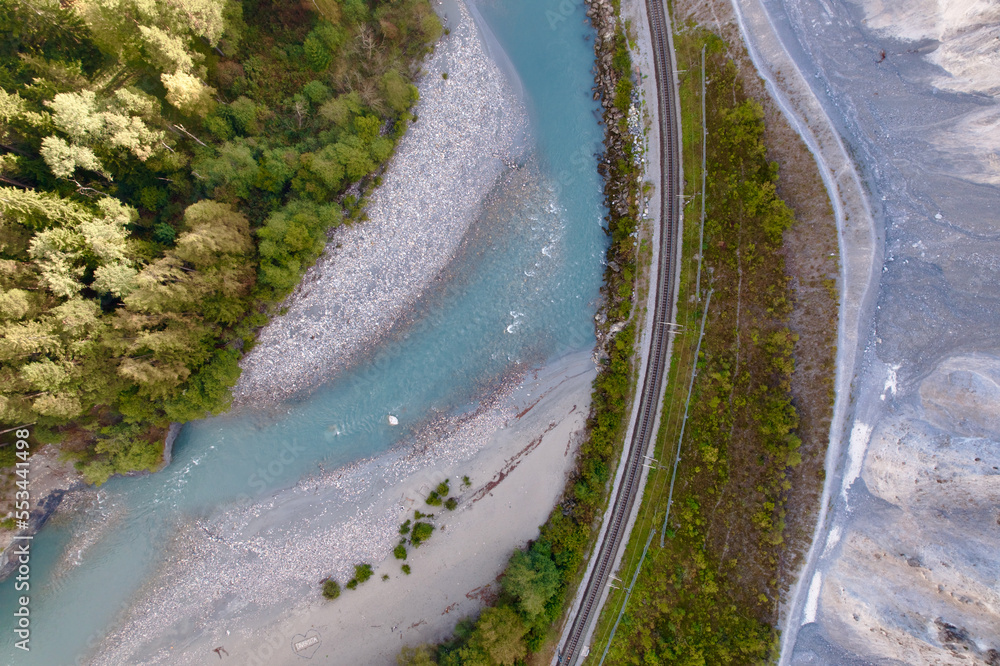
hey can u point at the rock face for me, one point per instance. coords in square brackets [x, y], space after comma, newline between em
[963, 395]
[960, 37]
[914, 578]
[964, 29]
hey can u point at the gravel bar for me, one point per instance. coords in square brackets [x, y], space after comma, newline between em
[470, 126]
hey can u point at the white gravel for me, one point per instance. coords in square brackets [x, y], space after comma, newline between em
[470, 126]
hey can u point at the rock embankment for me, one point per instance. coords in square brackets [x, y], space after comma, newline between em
[602, 17]
[622, 138]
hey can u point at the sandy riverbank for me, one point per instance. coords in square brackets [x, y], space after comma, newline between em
[250, 581]
[471, 126]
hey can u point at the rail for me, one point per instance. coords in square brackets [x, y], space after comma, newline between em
[659, 341]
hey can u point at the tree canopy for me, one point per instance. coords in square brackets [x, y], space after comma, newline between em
[168, 169]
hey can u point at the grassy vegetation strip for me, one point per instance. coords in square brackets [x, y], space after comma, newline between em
[710, 595]
[538, 582]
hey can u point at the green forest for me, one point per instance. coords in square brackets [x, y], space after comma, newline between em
[168, 170]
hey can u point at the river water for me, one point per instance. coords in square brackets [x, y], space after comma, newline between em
[521, 292]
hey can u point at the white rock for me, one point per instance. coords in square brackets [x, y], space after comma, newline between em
[393, 420]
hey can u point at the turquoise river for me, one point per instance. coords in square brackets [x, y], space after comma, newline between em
[522, 292]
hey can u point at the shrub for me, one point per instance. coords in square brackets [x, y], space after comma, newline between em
[8, 456]
[317, 54]
[436, 498]
[362, 572]
[399, 551]
[316, 92]
[466, 482]
[406, 569]
[421, 532]
[244, 114]
[164, 233]
[355, 11]
[451, 504]
[405, 527]
[352, 584]
[421, 655]
[531, 579]
[331, 589]
[398, 93]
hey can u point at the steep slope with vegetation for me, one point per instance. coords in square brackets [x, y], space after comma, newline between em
[169, 169]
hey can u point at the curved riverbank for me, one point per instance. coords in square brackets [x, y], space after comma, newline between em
[237, 573]
[471, 125]
[470, 128]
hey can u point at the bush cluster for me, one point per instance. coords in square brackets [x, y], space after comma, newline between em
[331, 589]
[436, 496]
[421, 533]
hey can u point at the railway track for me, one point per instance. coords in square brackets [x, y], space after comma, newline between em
[652, 384]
